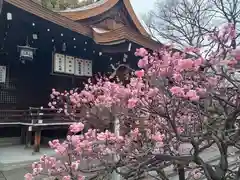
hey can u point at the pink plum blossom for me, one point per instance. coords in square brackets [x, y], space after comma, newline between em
[66, 178]
[132, 102]
[140, 73]
[143, 62]
[177, 77]
[178, 91]
[185, 64]
[164, 105]
[236, 53]
[76, 127]
[28, 176]
[158, 137]
[192, 95]
[141, 52]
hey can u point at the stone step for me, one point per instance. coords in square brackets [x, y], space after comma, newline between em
[8, 141]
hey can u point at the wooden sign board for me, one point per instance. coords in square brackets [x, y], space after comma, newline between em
[79, 67]
[59, 63]
[71, 65]
[88, 68]
[70, 62]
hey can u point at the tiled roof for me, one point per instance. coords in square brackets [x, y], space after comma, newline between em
[100, 7]
[87, 7]
[114, 36]
[46, 14]
[124, 33]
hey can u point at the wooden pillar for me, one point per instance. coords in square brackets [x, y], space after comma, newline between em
[37, 140]
[23, 134]
[28, 137]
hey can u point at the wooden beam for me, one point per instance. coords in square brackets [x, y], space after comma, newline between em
[117, 48]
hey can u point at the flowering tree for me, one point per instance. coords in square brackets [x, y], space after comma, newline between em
[173, 110]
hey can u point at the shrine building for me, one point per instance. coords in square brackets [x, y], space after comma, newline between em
[42, 49]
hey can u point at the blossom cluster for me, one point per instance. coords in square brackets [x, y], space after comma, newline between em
[77, 147]
[164, 101]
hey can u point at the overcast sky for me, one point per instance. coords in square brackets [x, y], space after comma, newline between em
[142, 6]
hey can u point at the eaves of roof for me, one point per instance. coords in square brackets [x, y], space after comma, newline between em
[121, 34]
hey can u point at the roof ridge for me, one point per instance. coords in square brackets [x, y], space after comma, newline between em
[85, 7]
[102, 7]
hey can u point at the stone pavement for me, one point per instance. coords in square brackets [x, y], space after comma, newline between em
[2, 177]
[15, 162]
[13, 157]
[15, 174]
[18, 174]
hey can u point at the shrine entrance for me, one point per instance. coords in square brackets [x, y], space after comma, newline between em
[25, 87]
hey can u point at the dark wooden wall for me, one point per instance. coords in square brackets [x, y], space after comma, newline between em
[31, 83]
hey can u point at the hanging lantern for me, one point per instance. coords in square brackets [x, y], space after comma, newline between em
[26, 52]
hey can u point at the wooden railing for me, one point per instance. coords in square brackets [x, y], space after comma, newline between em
[13, 116]
[33, 115]
[34, 119]
[47, 115]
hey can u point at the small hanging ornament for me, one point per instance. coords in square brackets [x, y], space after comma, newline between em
[54, 48]
[35, 36]
[9, 16]
[129, 46]
[125, 56]
[64, 47]
[26, 52]
[1, 4]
